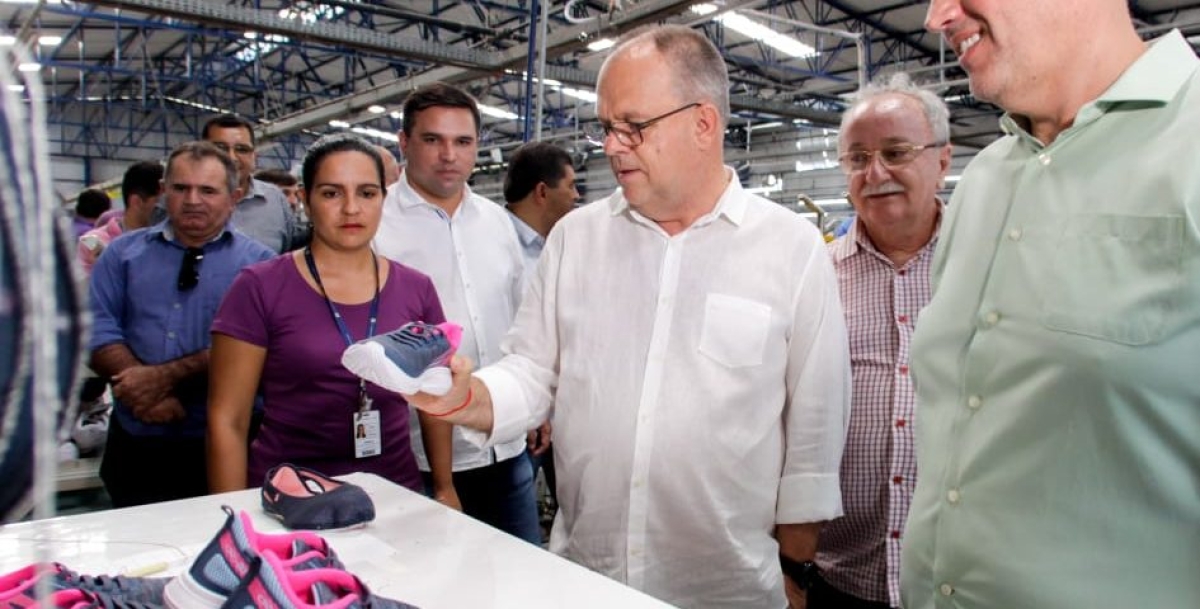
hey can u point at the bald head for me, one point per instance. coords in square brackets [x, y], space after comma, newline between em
[391, 169]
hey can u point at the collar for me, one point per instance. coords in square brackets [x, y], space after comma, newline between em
[731, 205]
[164, 231]
[525, 233]
[856, 239]
[409, 197]
[1153, 80]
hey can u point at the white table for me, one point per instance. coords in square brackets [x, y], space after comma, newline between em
[416, 551]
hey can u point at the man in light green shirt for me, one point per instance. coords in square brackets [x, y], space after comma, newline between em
[1058, 364]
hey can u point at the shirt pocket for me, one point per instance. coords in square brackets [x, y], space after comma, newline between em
[734, 332]
[1115, 277]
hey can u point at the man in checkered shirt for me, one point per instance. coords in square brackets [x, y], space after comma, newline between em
[893, 147]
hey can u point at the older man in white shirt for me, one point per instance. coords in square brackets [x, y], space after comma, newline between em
[690, 337]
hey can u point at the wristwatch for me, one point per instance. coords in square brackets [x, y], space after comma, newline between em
[804, 574]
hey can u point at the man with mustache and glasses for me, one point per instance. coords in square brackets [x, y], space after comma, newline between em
[1059, 420]
[690, 339]
[154, 292]
[893, 148]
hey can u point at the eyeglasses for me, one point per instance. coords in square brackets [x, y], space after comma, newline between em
[189, 271]
[628, 133]
[242, 149]
[896, 155]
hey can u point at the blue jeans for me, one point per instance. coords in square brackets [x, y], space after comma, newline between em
[500, 494]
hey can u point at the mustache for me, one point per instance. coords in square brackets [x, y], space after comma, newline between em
[887, 188]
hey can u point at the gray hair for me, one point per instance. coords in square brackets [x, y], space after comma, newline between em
[935, 110]
[697, 66]
[200, 150]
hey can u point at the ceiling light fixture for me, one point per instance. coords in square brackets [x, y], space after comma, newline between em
[376, 133]
[496, 112]
[755, 30]
[600, 45]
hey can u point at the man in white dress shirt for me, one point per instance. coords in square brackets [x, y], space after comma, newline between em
[432, 222]
[690, 337]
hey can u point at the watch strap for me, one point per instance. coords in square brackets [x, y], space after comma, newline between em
[803, 573]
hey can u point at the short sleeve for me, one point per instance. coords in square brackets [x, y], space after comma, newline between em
[243, 312]
[431, 305]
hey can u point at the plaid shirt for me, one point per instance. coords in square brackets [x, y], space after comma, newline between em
[859, 553]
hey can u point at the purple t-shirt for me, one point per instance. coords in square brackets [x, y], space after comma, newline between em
[308, 397]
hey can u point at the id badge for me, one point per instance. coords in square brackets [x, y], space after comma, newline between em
[366, 434]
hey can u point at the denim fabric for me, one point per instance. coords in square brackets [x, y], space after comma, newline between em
[501, 495]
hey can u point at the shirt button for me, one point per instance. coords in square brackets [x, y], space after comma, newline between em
[177, 305]
[953, 496]
[902, 272]
[895, 534]
[974, 402]
[900, 423]
[903, 369]
[897, 479]
[902, 319]
[1044, 158]
[170, 335]
[946, 589]
[1015, 234]
[992, 318]
[637, 483]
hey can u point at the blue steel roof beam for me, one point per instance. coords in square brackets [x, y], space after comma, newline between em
[834, 13]
[912, 39]
[896, 52]
[756, 65]
[879, 11]
[330, 33]
[285, 75]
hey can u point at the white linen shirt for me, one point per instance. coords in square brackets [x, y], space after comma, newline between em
[702, 387]
[476, 265]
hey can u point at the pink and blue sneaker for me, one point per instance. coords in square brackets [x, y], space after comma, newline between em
[271, 584]
[69, 589]
[226, 560]
[412, 359]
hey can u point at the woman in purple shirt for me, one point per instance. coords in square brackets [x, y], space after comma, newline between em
[283, 325]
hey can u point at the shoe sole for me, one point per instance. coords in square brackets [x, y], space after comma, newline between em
[369, 361]
[184, 592]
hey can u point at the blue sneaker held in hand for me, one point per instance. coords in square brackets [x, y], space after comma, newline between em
[412, 359]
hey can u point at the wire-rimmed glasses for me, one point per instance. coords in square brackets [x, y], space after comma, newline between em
[627, 133]
[893, 156]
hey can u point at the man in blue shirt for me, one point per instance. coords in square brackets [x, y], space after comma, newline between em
[154, 293]
[539, 189]
[262, 210]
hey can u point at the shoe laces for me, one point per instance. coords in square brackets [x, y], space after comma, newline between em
[120, 590]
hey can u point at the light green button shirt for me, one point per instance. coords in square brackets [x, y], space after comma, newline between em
[1058, 364]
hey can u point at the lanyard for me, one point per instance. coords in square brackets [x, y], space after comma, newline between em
[337, 317]
[364, 402]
